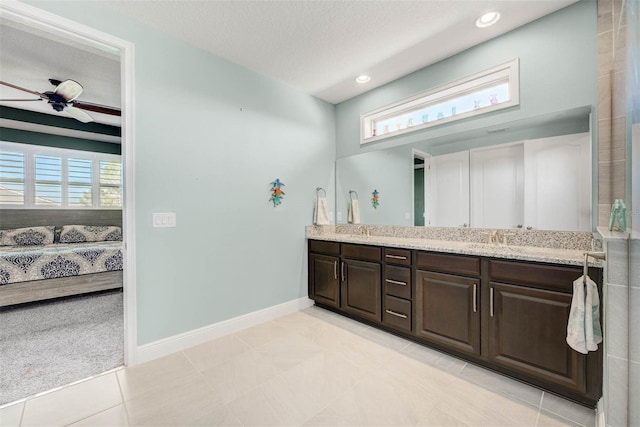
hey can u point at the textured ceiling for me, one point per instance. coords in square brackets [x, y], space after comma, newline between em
[317, 46]
[320, 46]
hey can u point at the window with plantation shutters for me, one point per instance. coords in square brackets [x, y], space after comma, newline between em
[51, 178]
[79, 182]
[12, 171]
[110, 184]
[48, 180]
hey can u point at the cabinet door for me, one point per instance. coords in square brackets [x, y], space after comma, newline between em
[447, 311]
[361, 289]
[527, 334]
[325, 284]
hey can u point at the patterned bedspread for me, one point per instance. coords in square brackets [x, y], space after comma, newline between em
[25, 263]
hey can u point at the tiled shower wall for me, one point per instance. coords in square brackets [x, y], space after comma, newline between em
[612, 142]
[612, 164]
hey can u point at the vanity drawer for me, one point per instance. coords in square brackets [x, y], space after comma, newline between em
[456, 264]
[397, 256]
[322, 247]
[397, 281]
[363, 252]
[397, 313]
[552, 277]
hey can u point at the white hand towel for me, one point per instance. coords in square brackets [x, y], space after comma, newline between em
[321, 217]
[354, 212]
[583, 328]
[592, 330]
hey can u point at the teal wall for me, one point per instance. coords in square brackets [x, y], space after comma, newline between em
[199, 155]
[558, 57]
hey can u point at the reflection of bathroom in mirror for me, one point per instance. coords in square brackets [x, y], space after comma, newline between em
[533, 174]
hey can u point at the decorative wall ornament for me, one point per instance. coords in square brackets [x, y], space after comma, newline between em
[276, 192]
[375, 199]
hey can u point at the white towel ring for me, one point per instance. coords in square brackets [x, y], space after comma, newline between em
[351, 192]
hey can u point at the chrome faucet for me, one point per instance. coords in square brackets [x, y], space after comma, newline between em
[491, 236]
[506, 235]
[364, 230]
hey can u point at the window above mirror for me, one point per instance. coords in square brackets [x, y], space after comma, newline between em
[490, 90]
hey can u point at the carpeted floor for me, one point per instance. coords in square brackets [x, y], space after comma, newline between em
[50, 344]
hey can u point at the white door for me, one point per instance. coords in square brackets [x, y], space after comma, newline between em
[558, 183]
[497, 186]
[448, 190]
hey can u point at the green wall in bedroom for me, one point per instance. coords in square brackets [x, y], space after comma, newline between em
[58, 141]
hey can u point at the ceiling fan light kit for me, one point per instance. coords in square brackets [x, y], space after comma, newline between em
[63, 98]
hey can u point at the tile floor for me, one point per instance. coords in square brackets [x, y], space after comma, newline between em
[311, 368]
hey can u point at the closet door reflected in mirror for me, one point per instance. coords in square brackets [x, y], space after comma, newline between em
[535, 184]
[447, 200]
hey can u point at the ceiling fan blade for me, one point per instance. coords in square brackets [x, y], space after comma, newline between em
[23, 89]
[97, 108]
[69, 90]
[15, 100]
[78, 114]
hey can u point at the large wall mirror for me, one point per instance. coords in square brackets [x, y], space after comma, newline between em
[533, 174]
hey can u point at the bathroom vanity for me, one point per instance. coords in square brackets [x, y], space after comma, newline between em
[504, 307]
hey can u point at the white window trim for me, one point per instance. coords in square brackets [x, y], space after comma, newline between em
[508, 71]
[29, 151]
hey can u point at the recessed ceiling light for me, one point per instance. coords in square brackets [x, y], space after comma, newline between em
[363, 78]
[488, 19]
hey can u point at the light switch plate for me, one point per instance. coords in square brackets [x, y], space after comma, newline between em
[164, 219]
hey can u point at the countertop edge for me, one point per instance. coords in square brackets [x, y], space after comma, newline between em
[517, 253]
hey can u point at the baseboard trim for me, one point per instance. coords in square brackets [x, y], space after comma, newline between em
[166, 346]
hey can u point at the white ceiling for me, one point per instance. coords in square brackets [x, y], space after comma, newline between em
[317, 46]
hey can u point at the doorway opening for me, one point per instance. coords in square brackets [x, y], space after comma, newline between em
[49, 26]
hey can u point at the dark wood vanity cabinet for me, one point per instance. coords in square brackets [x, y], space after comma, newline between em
[360, 287]
[508, 315]
[529, 306]
[324, 270]
[397, 312]
[447, 309]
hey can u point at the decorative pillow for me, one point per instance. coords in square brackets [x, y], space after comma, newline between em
[28, 236]
[89, 233]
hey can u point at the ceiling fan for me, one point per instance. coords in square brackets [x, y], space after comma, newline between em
[63, 98]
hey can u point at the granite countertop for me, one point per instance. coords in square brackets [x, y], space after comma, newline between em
[525, 253]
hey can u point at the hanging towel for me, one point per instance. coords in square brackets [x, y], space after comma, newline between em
[354, 212]
[583, 328]
[321, 216]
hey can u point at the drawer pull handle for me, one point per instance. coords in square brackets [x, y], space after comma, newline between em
[491, 301]
[396, 257]
[475, 298]
[335, 270]
[342, 270]
[393, 313]
[395, 282]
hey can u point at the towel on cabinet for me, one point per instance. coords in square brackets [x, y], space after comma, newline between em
[583, 328]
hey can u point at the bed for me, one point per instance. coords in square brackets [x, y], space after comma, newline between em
[59, 268]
